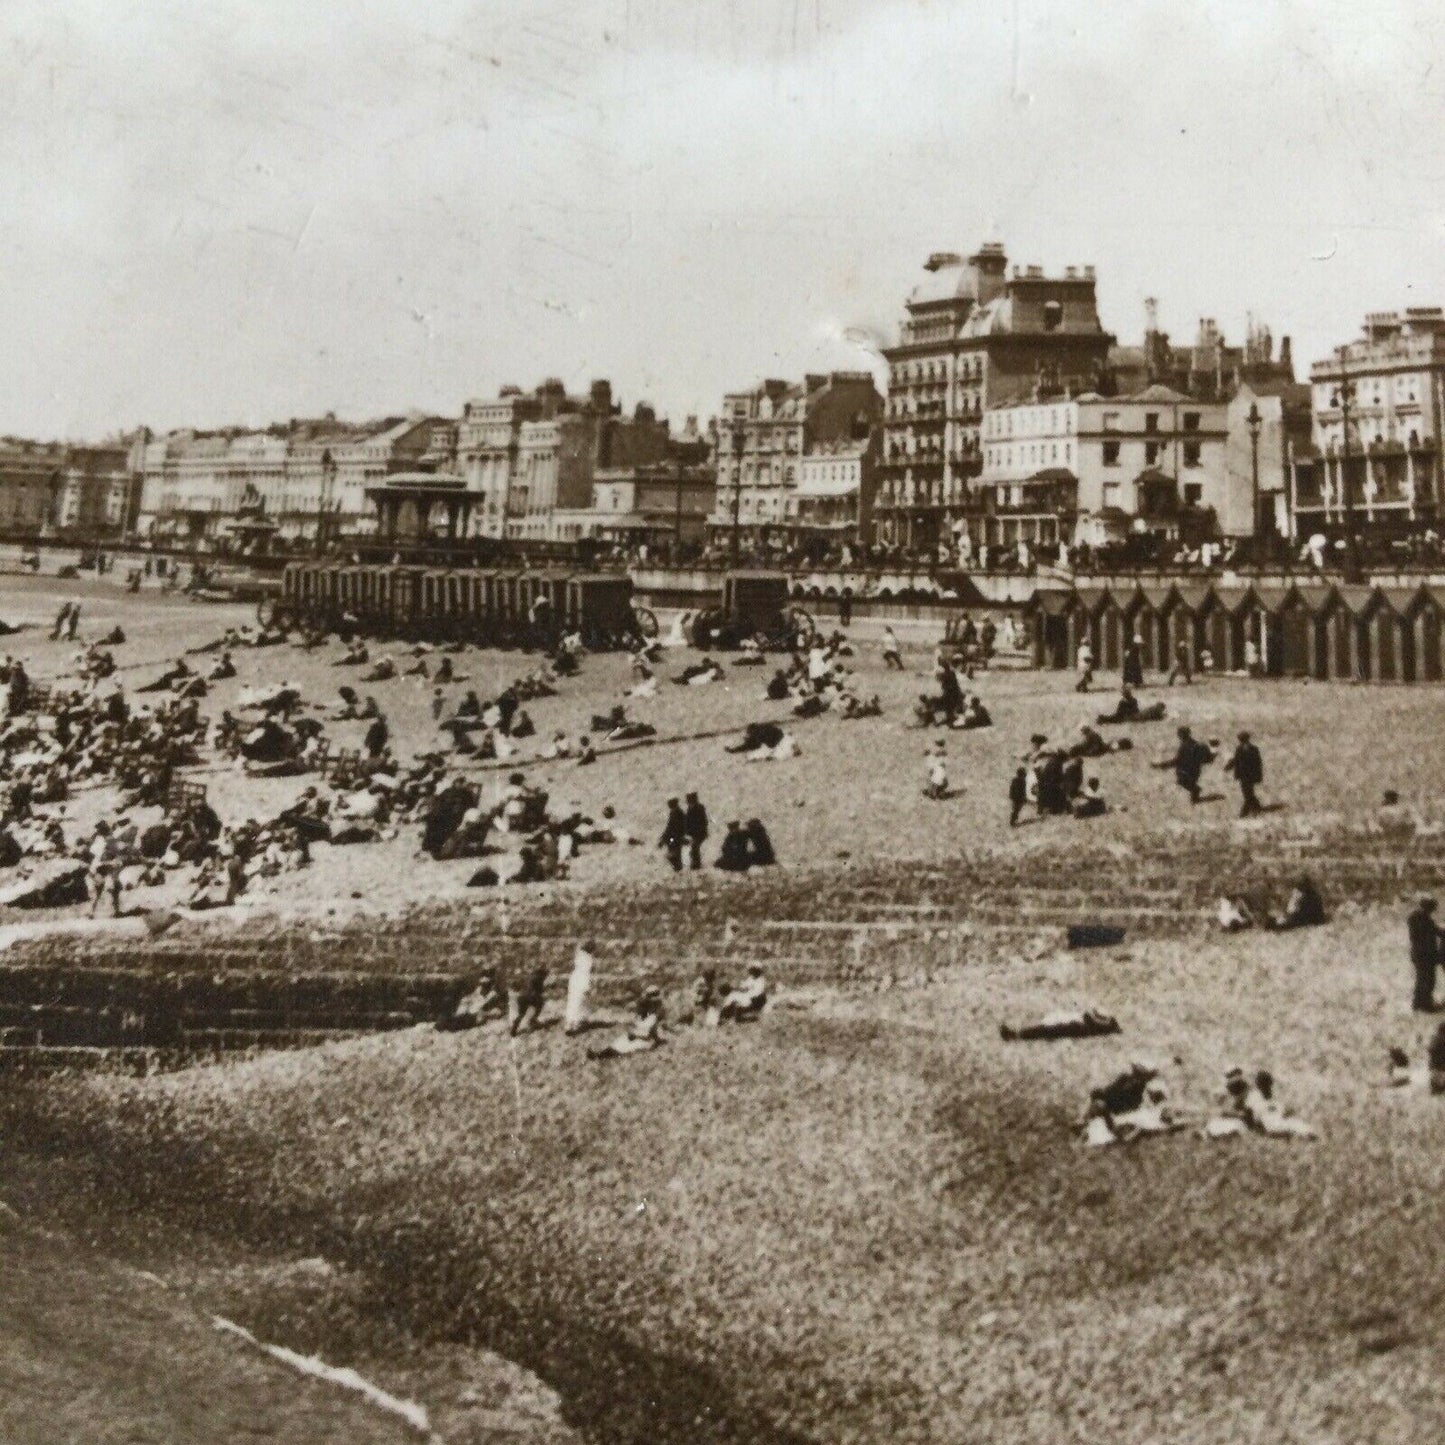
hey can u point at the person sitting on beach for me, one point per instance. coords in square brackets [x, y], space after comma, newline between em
[1305, 907]
[1090, 803]
[1091, 743]
[747, 1000]
[975, 714]
[735, 856]
[1256, 1109]
[1234, 915]
[355, 656]
[750, 652]
[382, 670]
[1126, 709]
[488, 1000]
[760, 844]
[644, 1032]
[936, 773]
[697, 674]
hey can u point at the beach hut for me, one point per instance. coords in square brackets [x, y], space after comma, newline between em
[1109, 625]
[1389, 627]
[1145, 618]
[1083, 619]
[1304, 640]
[1348, 642]
[1049, 625]
[1429, 636]
[1221, 629]
[1265, 623]
[1182, 623]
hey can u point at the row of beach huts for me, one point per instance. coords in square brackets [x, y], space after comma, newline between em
[1302, 630]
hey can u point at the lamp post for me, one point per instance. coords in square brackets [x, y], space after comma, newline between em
[1343, 396]
[677, 515]
[1254, 421]
[328, 483]
[738, 444]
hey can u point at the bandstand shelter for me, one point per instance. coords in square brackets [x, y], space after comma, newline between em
[408, 502]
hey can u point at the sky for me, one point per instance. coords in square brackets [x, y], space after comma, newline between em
[250, 210]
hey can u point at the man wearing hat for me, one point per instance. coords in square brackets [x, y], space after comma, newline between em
[1188, 762]
[1247, 765]
[1424, 954]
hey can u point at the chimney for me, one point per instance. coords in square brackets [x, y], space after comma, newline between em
[1286, 357]
[990, 266]
[601, 397]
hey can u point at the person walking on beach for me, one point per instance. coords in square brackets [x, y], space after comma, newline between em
[695, 825]
[578, 983]
[674, 834]
[1247, 765]
[1424, 954]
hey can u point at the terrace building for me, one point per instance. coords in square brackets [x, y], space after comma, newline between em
[1373, 464]
[195, 485]
[763, 436]
[94, 499]
[532, 459]
[973, 338]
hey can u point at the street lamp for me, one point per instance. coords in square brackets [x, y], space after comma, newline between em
[1254, 421]
[328, 483]
[738, 443]
[1344, 394]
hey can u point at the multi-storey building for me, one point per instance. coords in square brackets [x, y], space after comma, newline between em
[1092, 469]
[974, 337]
[95, 494]
[1378, 403]
[1260, 458]
[194, 483]
[29, 485]
[836, 483]
[763, 436]
[489, 441]
[530, 458]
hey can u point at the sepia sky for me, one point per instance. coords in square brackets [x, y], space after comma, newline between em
[254, 209]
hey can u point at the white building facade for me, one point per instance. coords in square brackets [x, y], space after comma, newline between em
[1091, 469]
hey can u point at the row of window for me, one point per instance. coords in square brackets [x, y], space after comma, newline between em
[902, 373]
[1043, 453]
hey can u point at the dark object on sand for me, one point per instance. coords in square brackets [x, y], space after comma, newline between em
[1095, 935]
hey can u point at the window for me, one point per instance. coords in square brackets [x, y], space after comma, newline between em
[1151, 421]
[1151, 453]
[1111, 494]
[1111, 421]
[1111, 454]
[1193, 493]
[1053, 315]
[1191, 421]
[1191, 454]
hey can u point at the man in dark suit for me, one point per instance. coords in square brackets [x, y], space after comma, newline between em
[695, 826]
[674, 834]
[1188, 762]
[1247, 765]
[1424, 954]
